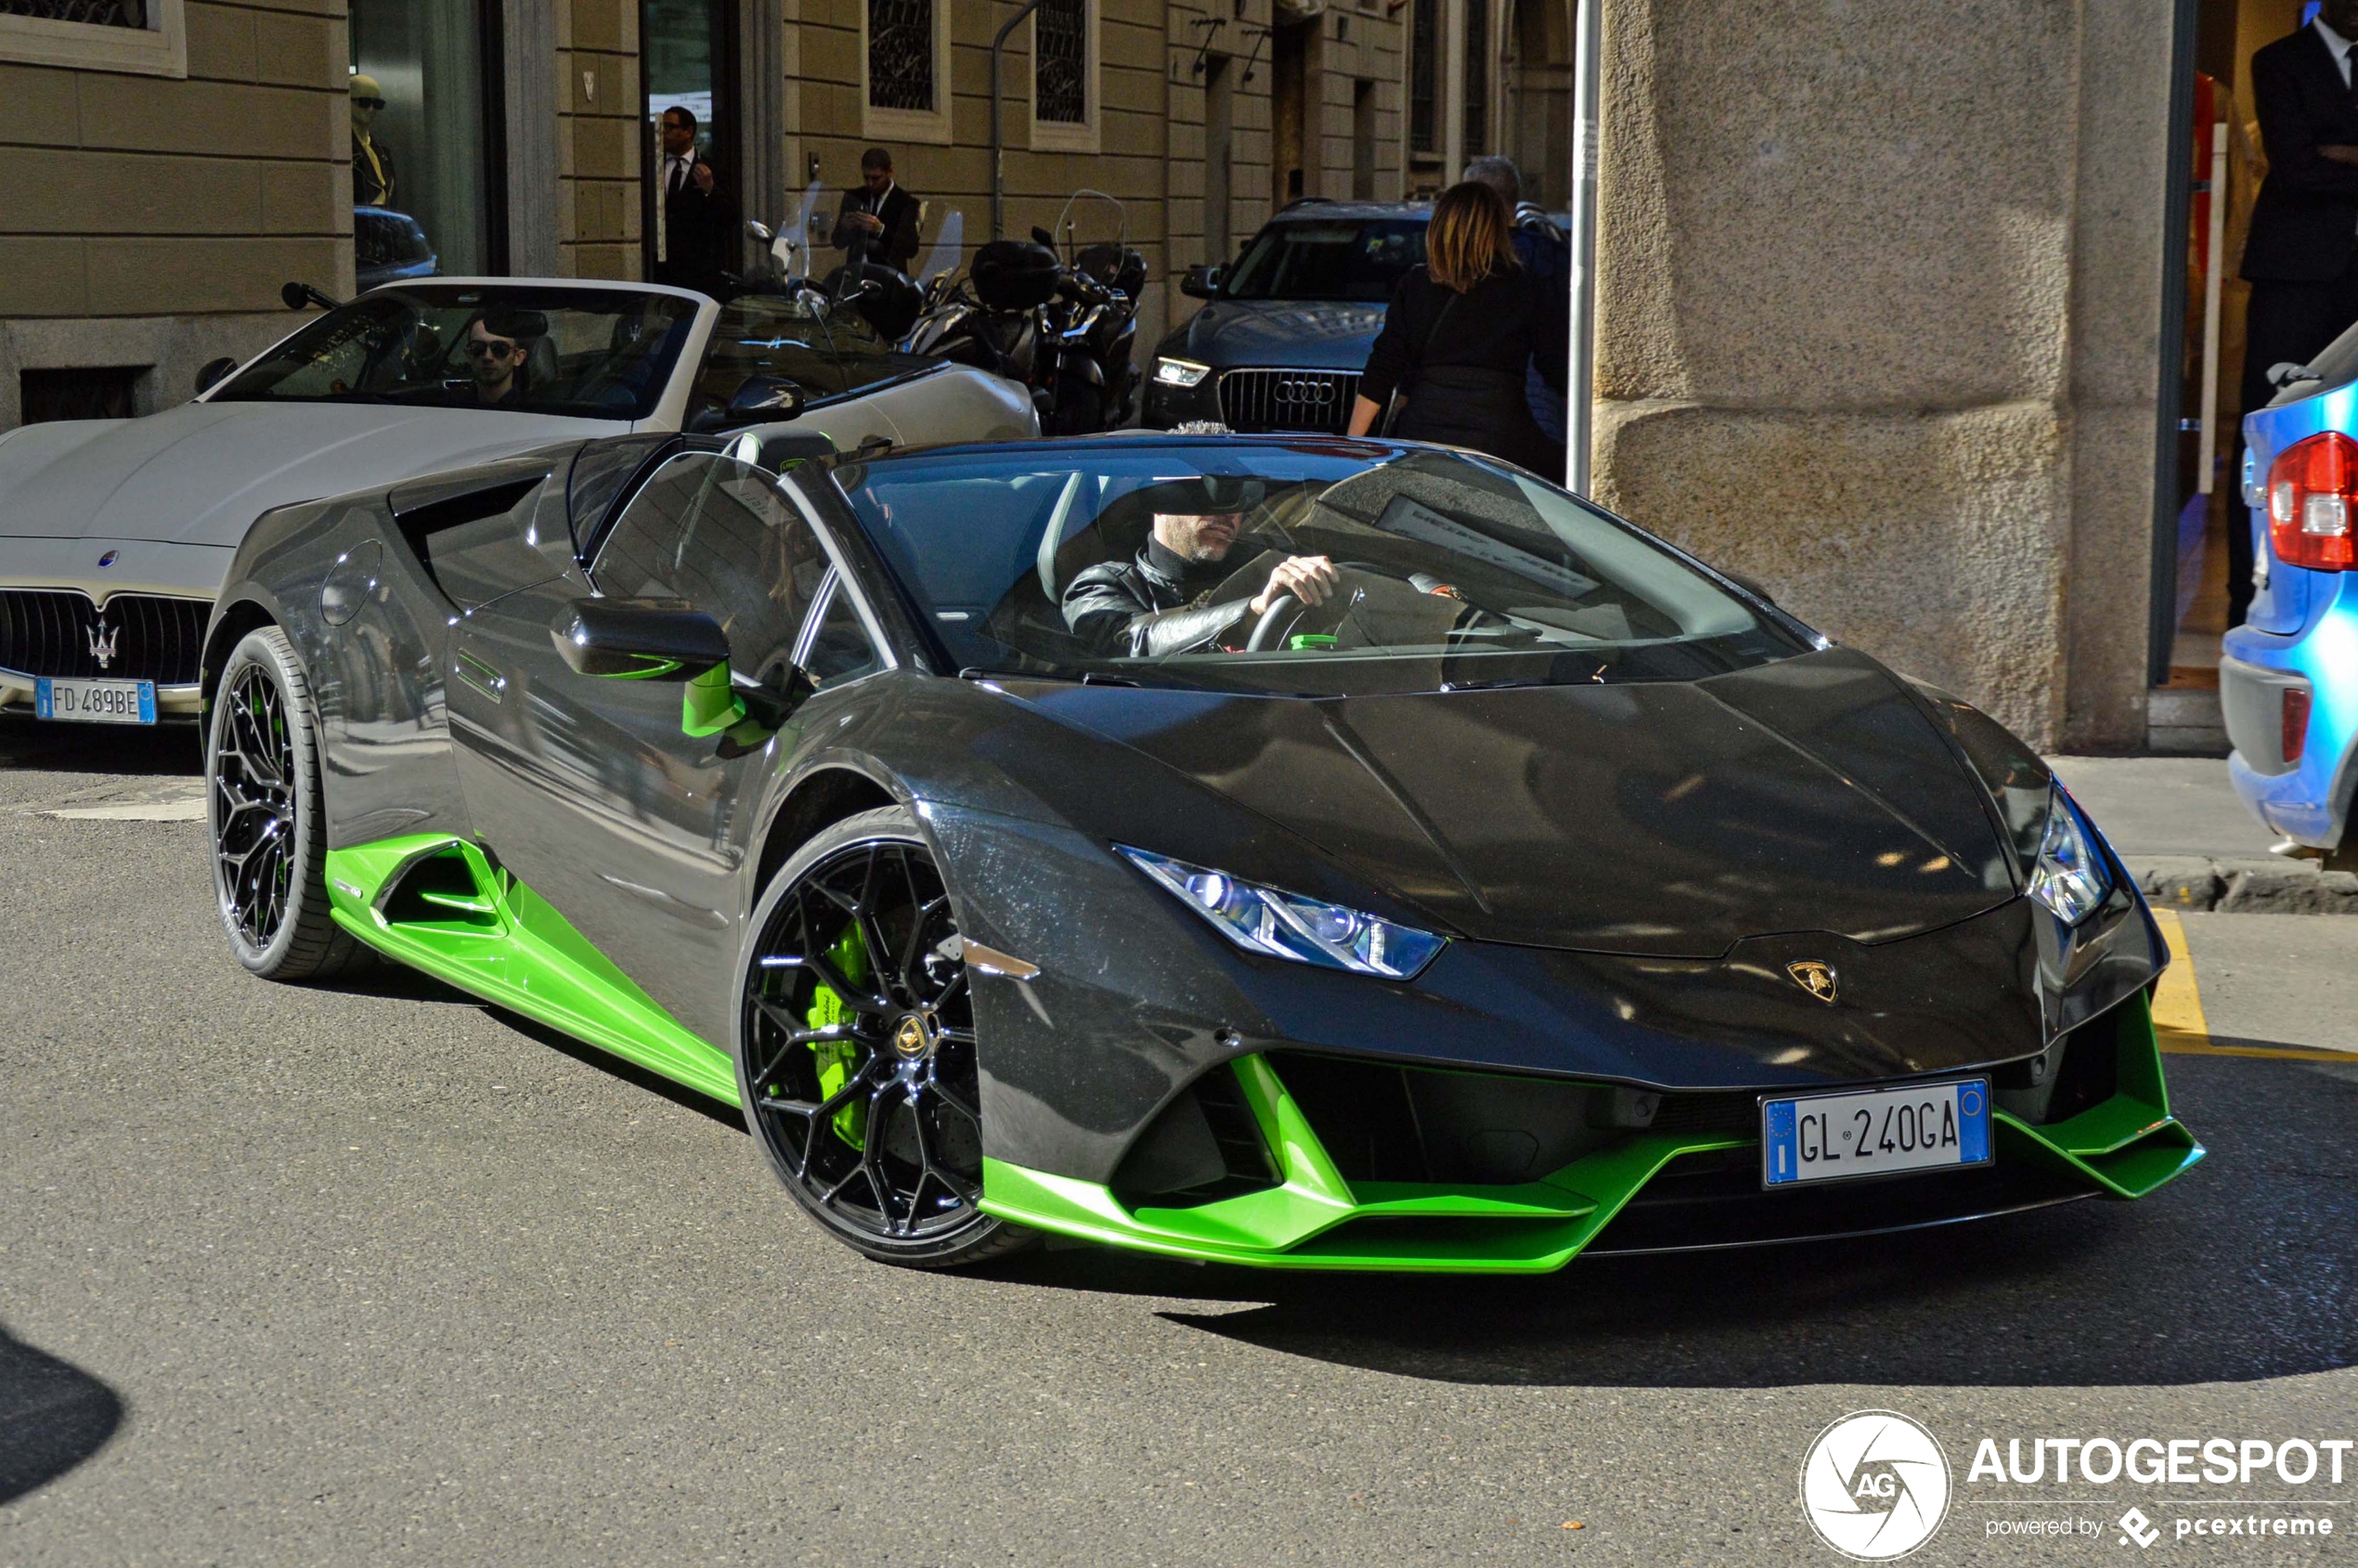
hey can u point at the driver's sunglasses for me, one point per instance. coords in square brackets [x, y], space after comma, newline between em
[370, 103]
[495, 349]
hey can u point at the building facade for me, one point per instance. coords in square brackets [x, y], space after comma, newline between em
[1879, 291]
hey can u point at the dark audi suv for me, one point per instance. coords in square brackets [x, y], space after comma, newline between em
[1285, 327]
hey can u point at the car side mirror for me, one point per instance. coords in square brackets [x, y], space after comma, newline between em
[1202, 282]
[214, 373]
[299, 295]
[639, 639]
[766, 400]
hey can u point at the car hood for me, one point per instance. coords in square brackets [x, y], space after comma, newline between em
[201, 474]
[1295, 334]
[1673, 819]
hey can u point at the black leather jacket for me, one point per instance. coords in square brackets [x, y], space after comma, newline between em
[1136, 609]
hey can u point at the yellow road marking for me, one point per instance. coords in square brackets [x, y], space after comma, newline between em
[2177, 1004]
[2178, 1009]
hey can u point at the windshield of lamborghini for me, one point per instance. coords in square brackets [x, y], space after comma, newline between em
[1276, 567]
[600, 354]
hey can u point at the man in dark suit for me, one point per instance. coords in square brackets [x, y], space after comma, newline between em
[2301, 258]
[689, 249]
[878, 222]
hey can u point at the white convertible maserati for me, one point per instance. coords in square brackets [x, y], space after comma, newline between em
[114, 534]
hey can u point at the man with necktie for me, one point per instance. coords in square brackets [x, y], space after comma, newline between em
[2301, 258]
[688, 219]
[878, 221]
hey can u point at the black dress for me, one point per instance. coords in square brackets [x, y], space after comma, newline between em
[1461, 358]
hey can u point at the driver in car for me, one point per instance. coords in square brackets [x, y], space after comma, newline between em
[1161, 601]
[498, 344]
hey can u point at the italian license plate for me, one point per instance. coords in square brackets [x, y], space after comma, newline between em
[96, 702]
[1875, 1132]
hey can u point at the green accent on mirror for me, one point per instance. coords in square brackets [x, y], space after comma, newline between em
[490, 935]
[707, 704]
[654, 669]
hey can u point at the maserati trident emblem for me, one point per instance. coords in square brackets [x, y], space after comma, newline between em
[102, 643]
[910, 1038]
[1815, 978]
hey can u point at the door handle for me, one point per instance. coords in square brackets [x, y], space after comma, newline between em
[482, 677]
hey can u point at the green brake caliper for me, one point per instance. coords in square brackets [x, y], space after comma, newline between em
[836, 1058]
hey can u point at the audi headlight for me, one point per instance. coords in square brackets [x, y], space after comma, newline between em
[2070, 877]
[1180, 372]
[1281, 925]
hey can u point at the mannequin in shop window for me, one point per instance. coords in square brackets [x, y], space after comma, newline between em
[371, 162]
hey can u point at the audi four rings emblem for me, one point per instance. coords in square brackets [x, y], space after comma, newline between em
[1305, 392]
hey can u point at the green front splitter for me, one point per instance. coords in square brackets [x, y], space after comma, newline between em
[2122, 1147]
[476, 927]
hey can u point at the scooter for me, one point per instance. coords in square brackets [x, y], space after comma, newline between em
[1098, 382]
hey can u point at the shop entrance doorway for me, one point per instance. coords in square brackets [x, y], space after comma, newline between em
[426, 139]
[687, 62]
[1219, 138]
[1288, 112]
[1538, 122]
[2202, 555]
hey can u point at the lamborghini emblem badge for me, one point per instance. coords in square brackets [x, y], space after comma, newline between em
[910, 1038]
[1815, 978]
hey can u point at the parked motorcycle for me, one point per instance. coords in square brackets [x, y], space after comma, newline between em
[1067, 330]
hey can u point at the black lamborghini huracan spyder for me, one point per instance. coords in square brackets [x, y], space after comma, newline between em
[1293, 851]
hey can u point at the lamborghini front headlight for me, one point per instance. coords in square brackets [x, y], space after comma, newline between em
[2069, 877]
[1280, 924]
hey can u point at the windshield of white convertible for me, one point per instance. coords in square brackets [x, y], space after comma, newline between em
[600, 354]
[1315, 570]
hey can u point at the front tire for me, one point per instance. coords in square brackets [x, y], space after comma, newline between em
[856, 1048]
[268, 827]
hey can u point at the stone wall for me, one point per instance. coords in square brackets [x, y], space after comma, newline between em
[1878, 310]
[148, 220]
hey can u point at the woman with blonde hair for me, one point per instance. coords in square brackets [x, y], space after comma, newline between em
[1459, 334]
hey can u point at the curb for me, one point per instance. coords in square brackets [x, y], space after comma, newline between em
[2272, 887]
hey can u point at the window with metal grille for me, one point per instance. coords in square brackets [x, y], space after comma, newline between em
[1424, 73]
[1060, 62]
[901, 55]
[93, 13]
[1477, 77]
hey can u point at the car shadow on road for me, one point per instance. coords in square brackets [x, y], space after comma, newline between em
[103, 749]
[2245, 1268]
[53, 1416]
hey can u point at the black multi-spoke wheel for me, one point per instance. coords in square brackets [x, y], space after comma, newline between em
[262, 774]
[856, 1047]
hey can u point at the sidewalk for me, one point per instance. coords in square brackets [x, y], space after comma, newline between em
[2192, 845]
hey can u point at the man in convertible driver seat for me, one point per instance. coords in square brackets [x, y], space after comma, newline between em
[1157, 602]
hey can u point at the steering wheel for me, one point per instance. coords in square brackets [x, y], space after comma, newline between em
[1286, 611]
[1276, 622]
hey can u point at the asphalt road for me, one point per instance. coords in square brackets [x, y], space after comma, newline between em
[378, 1276]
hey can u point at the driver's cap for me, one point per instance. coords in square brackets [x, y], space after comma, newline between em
[1203, 495]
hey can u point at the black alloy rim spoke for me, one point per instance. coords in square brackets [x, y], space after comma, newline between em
[893, 1151]
[253, 806]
